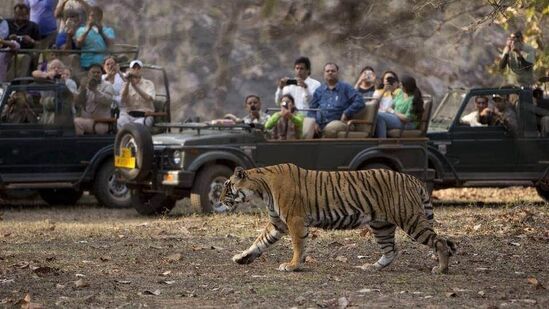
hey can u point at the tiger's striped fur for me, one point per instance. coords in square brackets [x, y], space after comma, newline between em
[297, 199]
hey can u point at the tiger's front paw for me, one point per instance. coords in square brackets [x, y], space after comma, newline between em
[244, 258]
[439, 270]
[288, 267]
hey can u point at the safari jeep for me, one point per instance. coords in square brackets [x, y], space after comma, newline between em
[43, 153]
[194, 159]
[491, 155]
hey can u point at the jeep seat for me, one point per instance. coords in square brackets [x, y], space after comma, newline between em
[423, 123]
[363, 123]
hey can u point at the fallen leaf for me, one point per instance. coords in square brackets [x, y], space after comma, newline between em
[315, 234]
[484, 269]
[450, 294]
[80, 275]
[360, 257]
[367, 290]
[80, 283]
[477, 227]
[6, 281]
[155, 292]
[8, 234]
[43, 270]
[336, 243]
[174, 257]
[341, 259]
[535, 283]
[300, 300]
[216, 248]
[481, 293]
[22, 264]
[59, 286]
[342, 302]
[123, 281]
[166, 273]
[105, 258]
[168, 282]
[516, 244]
[365, 232]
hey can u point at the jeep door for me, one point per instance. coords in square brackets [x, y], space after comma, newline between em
[299, 152]
[481, 152]
[44, 149]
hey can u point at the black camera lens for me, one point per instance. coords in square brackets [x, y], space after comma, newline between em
[253, 108]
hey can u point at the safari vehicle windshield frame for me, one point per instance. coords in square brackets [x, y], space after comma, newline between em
[444, 116]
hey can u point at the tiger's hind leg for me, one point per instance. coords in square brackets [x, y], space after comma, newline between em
[270, 235]
[419, 228]
[384, 233]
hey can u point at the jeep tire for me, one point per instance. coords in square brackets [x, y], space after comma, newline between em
[138, 138]
[108, 190]
[543, 189]
[60, 196]
[151, 203]
[208, 185]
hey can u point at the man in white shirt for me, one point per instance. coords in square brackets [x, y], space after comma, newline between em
[473, 118]
[137, 98]
[302, 88]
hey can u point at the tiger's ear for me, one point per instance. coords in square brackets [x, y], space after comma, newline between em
[239, 172]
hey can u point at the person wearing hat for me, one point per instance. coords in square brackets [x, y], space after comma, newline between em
[519, 57]
[503, 114]
[137, 97]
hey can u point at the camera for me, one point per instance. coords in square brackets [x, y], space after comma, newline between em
[19, 38]
[390, 80]
[253, 108]
[57, 76]
[291, 82]
[284, 105]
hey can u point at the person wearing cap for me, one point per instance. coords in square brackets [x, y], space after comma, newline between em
[93, 101]
[94, 36]
[137, 98]
[503, 114]
[519, 58]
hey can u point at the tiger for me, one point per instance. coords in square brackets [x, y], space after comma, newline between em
[297, 199]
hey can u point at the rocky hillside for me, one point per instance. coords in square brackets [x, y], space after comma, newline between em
[217, 52]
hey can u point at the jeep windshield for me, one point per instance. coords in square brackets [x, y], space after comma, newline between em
[444, 114]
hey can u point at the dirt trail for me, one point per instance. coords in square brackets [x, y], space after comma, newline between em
[86, 256]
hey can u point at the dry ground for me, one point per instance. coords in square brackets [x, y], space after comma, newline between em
[86, 256]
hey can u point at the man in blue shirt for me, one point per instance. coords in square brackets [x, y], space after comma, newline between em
[337, 101]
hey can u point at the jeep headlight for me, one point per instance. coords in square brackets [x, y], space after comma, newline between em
[177, 157]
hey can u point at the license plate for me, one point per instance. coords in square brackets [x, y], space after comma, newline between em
[125, 159]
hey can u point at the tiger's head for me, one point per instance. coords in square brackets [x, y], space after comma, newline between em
[237, 189]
